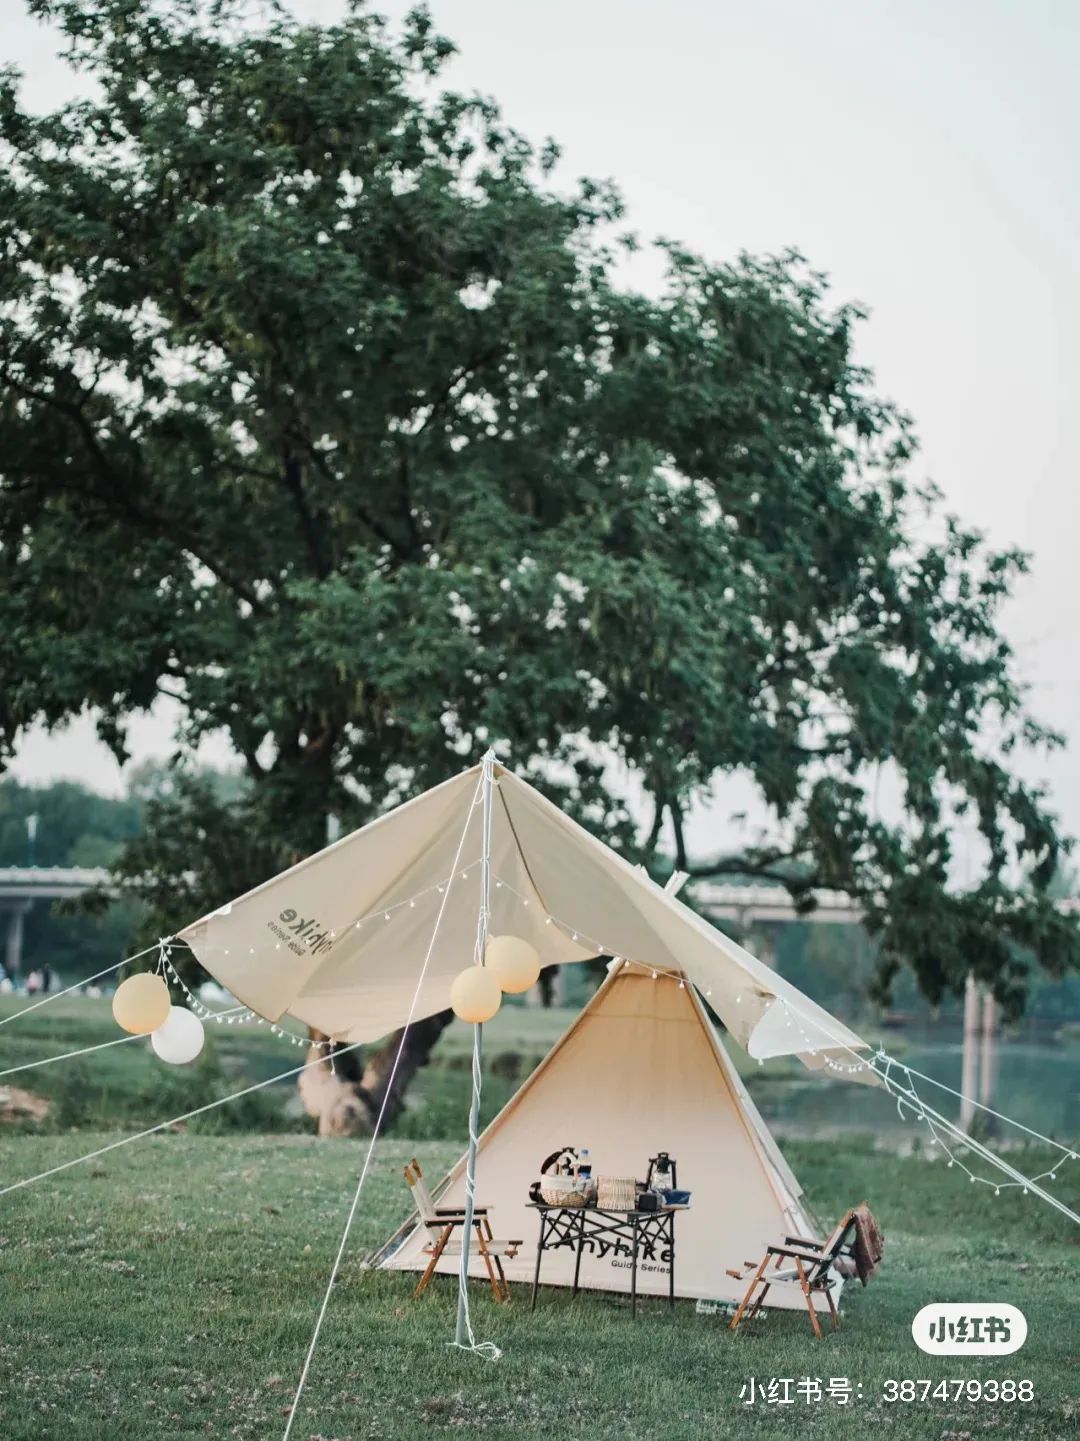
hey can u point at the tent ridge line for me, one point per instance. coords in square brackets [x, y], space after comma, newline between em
[774, 985]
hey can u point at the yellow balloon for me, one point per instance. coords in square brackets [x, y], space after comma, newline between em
[514, 962]
[475, 995]
[141, 1003]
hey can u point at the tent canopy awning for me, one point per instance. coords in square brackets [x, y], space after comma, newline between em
[373, 929]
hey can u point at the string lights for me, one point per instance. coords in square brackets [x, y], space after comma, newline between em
[906, 1094]
[243, 1015]
[898, 1079]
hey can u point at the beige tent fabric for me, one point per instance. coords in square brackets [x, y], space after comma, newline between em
[339, 941]
[588, 885]
[640, 1070]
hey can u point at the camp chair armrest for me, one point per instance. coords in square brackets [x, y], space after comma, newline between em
[803, 1241]
[814, 1259]
[460, 1210]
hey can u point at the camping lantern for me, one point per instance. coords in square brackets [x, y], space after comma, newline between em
[475, 995]
[514, 963]
[141, 1003]
[180, 1038]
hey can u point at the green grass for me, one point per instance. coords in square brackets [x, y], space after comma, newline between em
[127, 1084]
[169, 1289]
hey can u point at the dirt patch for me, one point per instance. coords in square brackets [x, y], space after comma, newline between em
[19, 1105]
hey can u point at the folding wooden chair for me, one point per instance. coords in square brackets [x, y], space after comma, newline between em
[813, 1268]
[443, 1221]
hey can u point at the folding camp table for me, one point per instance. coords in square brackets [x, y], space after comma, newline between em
[648, 1234]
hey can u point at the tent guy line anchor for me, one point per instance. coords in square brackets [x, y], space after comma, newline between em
[375, 1130]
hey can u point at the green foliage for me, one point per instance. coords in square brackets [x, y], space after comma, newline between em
[323, 412]
[126, 1086]
[76, 827]
[833, 963]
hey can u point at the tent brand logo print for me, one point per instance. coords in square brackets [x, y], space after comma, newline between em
[303, 934]
[653, 1255]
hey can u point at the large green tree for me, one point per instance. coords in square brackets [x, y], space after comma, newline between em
[324, 412]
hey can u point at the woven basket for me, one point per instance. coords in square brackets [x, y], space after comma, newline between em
[616, 1193]
[565, 1191]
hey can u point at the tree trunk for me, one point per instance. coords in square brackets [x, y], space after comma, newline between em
[347, 1096]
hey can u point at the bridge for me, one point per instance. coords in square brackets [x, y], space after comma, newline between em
[746, 906]
[22, 886]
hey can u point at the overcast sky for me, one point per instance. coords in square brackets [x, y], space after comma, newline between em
[920, 152]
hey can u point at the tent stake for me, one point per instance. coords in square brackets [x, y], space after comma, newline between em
[463, 1325]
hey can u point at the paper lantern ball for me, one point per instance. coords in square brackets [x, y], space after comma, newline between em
[141, 1003]
[475, 995]
[514, 963]
[180, 1038]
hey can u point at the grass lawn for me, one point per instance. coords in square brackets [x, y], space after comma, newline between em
[170, 1289]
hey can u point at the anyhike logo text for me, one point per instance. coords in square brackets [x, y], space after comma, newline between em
[302, 934]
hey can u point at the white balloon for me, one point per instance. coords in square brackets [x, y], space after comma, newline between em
[180, 1037]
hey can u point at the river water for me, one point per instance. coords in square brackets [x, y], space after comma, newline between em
[1035, 1083]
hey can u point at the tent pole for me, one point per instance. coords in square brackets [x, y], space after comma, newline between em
[470, 1184]
[477, 1056]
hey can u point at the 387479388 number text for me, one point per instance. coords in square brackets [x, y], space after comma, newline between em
[991, 1390]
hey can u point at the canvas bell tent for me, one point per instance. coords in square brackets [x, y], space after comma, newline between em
[640, 1070]
[371, 934]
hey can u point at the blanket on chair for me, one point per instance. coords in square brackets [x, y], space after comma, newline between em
[869, 1243]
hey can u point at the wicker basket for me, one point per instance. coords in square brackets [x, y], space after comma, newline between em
[616, 1193]
[565, 1191]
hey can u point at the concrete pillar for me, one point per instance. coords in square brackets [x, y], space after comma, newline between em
[13, 949]
[969, 1071]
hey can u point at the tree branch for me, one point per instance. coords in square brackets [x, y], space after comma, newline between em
[369, 520]
[764, 866]
[675, 811]
[314, 534]
[112, 490]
